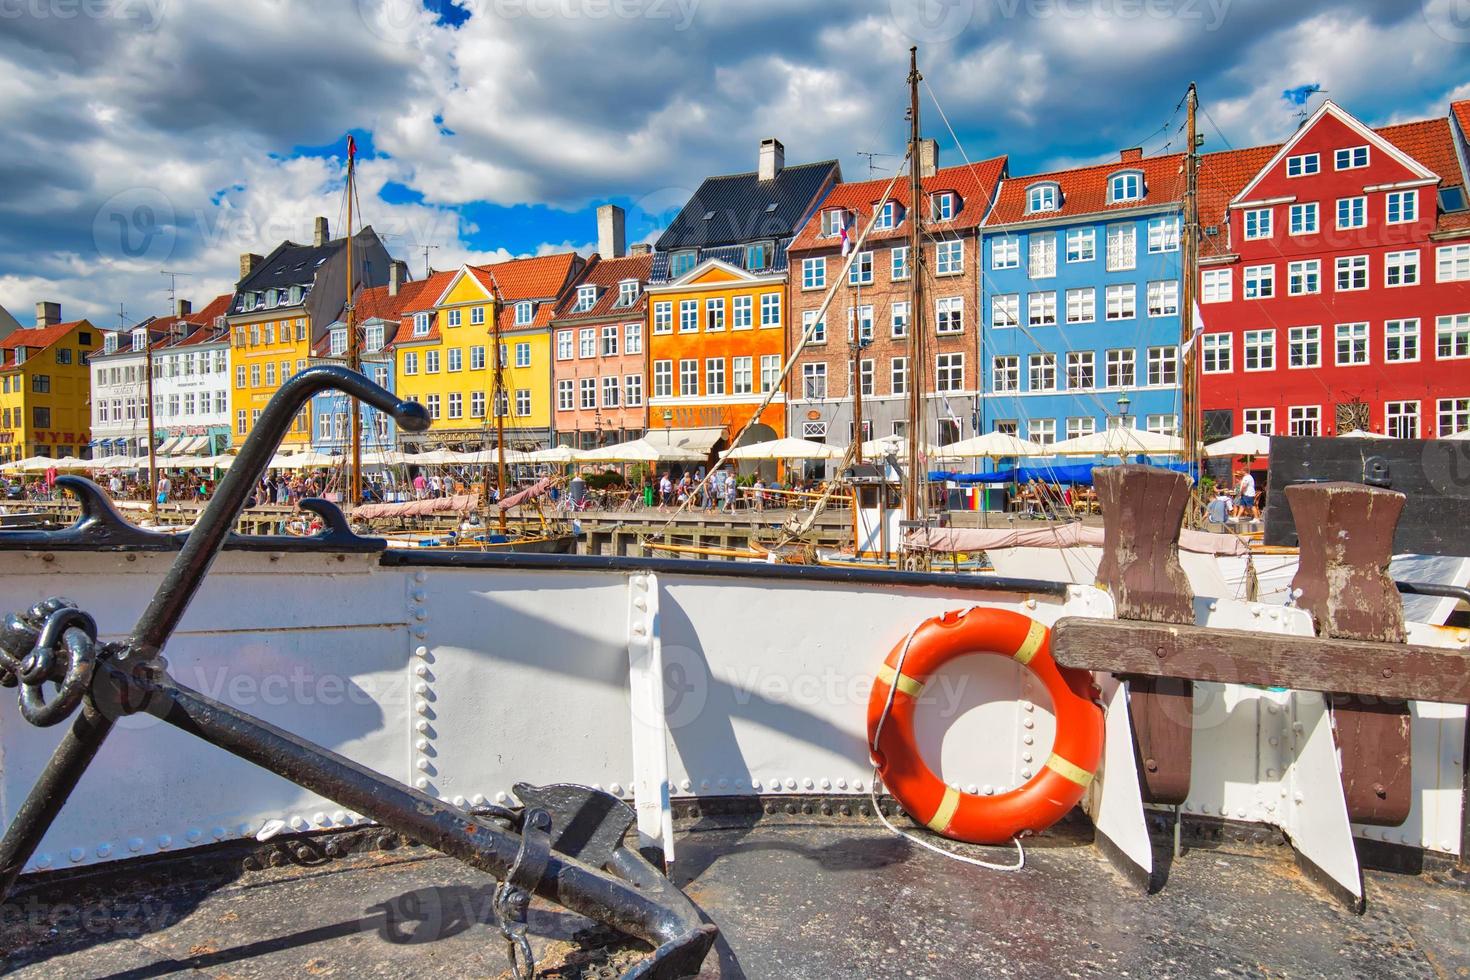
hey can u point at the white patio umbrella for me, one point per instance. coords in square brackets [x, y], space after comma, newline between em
[896, 446]
[490, 457]
[556, 454]
[639, 451]
[1463, 434]
[788, 448]
[434, 457]
[1245, 444]
[1119, 442]
[992, 445]
[1361, 434]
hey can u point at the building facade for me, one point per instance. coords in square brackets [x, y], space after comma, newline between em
[119, 380]
[600, 368]
[1338, 297]
[283, 304]
[442, 351]
[718, 300]
[870, 318]
[1081, 301]
[191, 383]
[45, 387]
[377, 312]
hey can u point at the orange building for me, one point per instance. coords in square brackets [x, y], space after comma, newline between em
[718, 301]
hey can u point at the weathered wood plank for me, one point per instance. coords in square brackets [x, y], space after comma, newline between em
[1380, 670]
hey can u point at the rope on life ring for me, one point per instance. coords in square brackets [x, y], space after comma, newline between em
[1046, 797]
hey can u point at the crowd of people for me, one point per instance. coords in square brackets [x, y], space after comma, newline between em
[721, 492]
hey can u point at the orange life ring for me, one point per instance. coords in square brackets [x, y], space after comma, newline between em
[1037, 804]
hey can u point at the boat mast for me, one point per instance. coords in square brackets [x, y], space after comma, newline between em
[354, 352]
[914, 487]
[1190, 263]
[857, 377]
[498, 387]
[152, 452]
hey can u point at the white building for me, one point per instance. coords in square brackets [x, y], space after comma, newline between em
[120, 391]
[191, 400]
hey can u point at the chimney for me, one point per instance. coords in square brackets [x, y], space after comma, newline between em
[48, 314]
[249, 262]
[397, 275]
[321, 234]
[642, 248]
[1130, 155]
[183, 308]
[928, 157]
[611, 242]
[773, 158]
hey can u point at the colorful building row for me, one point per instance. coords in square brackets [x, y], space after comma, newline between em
[1332, 295]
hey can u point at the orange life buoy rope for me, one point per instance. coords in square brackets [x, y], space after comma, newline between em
[1037, 804]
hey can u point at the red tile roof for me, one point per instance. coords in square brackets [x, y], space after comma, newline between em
[606, 274]
[1085, 189]
[975, 186]
[1221, 177]
[34, 340]
[419, 297]
[542, 277]
[214, 309]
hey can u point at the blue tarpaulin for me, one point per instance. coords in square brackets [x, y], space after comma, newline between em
[1079, 474]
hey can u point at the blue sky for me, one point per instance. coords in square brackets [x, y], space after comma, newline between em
[158, 134]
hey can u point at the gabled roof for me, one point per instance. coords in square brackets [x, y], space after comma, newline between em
[606, 275]
[419, 297]
[975, 185]
[541, 277]
[744, 208]
[35, 339]
[1221, 176]
[1084, 190]
[213, 310]
[1330, 108]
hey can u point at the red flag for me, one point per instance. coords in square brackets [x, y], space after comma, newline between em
[351, 147]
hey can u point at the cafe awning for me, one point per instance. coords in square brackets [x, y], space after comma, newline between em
[699, 441]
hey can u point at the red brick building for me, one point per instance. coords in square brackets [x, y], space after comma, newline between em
[871, 308]
[1335, 281]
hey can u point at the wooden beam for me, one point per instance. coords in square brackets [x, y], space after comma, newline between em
[1380, 670]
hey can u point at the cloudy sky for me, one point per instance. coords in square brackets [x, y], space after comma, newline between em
[144, 135]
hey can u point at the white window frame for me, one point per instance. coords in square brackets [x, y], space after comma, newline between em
[1306, 340]
[1401, 340]
[1359, 337]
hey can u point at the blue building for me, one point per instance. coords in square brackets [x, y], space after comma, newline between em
[378, 314]
[1080, 298]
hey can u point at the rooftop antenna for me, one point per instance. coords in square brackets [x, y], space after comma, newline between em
[173, 288]
[122, 318]
[426, 249]
[872, 168]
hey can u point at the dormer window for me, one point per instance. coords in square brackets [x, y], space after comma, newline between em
[140, 339]
[524, 313]
[946, 204]
[627, 292]
[833, 221]
[758, 256]
[1125, 187]
[421, 324]
[109, 344]
[272, 297]
[887, 216]
[681, 262]
[295, 295]
[373, 338]
[339, 342]
[1042, 198]
[20, 355]
[586, 299]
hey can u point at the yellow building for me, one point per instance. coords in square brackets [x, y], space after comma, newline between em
[283, 304]
[45, 387]
[442, 360]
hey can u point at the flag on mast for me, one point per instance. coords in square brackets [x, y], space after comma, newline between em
[1199, 328]
[846, 236]
[351, 147]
